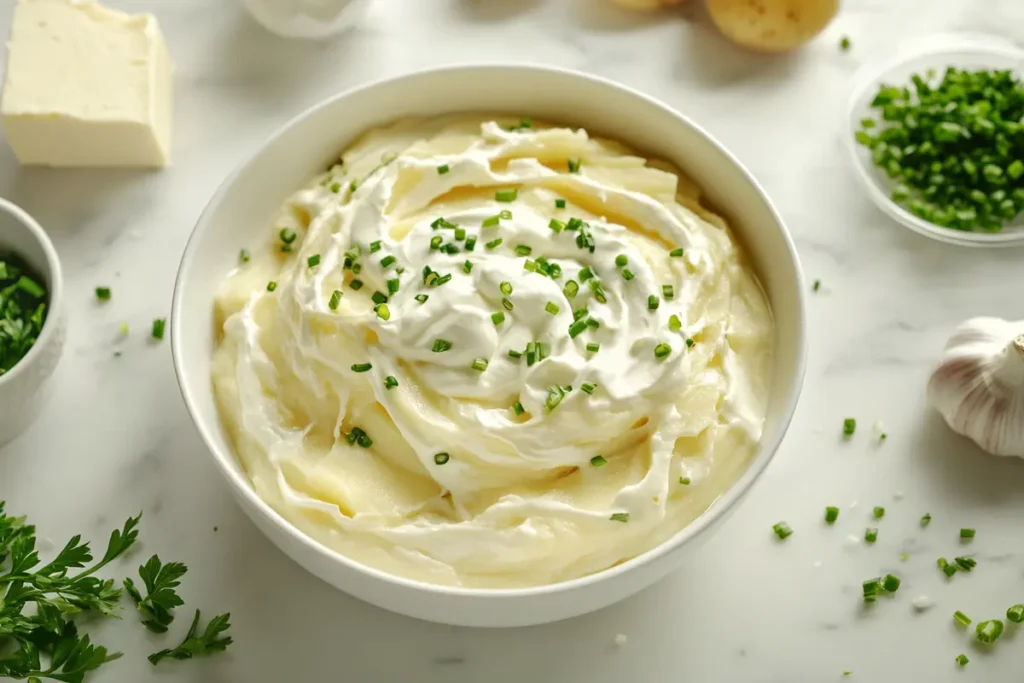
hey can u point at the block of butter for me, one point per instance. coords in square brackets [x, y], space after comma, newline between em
[86, 86]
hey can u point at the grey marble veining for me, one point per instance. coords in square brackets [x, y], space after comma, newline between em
[116, 438]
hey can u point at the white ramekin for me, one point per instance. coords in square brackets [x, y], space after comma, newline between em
[241, 208]
[26, 387]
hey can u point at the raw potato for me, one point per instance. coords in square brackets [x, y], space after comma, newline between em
[648, 5]
[772, 25]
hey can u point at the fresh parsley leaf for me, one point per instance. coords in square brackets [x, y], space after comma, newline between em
[160, 580]
[199, 644]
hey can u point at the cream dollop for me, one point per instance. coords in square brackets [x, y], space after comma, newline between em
[553, 385]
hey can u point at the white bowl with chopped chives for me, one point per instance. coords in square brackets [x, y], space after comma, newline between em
[520, 260]
[32, 319]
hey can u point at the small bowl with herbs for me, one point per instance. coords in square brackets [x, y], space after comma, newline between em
[32, 322]
[937, 140]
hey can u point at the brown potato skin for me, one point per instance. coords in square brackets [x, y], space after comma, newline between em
[772, 25]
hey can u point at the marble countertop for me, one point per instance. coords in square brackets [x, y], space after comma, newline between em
[116, 437]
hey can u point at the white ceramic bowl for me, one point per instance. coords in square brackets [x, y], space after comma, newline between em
[26, 387]
[245, 202]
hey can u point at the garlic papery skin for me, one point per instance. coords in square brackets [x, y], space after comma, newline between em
[978, 386]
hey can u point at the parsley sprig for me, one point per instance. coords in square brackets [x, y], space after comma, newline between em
[160, 581]
[196, 643]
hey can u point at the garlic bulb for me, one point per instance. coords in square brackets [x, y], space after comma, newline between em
[978, 386]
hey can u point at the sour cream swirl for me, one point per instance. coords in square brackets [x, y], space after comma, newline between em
[494, 355]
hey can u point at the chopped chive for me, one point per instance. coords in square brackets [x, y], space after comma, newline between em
[490, 221]
[497, 318]
[287, 235]
[442, 169]
[574, 223]
[587, 387]
[523, 250]
[356, 285]
[870, 535]
[508, 195]
[947, 568]
[580, 313]
[335, 188]
[653, 303]
[422, 298]
[782, 530]
[551, 307]
[556, 225]
[593, 347]
[831, 515]
[435, 242]
[393, 285]
[597, 289]
[335, 300]
[926, 520]
[375, 246]
[690, 343]
[849, 426]
[571, 289]
[518, 408]
[559, 203]
[577, 328]
[441, 458]
[662, 351]
[271, 286]
[1015, 614]
[506, 304]
[674, 323]
[891, 583]
[313, 260]
[158, 328]
[287, 248]
[871, 588]
[479, 364]
[668, 291]
[676, 253]
[450, 248]
[619, 517]
[598, 461]
[470, 244]
[460, 234]
[353, 186]
[961, 618]
[387, 261]
[621, 260]
[103, 293]
[530, 265]
[361, 367]
[357, 268]
[816, 286]
[390, 382]
[512, 353]
[586, 274]
[962, 660]
[845, 43]
[965, 563]
[966, 534]
[531, 353]
[574, 165]
[989, 631]
[443, 279]
[379, 298]
[383, 312]
[505, 214]
[467, 266]
[244, 256]
[878, 512]
[543, 351]
[627, 274]
[685, 481]
[441, 345]
[506, 288]
[494, 244]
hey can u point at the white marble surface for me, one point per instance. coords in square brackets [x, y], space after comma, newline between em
[116, 437]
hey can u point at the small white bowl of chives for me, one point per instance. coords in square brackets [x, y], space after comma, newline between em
[965, 189]
[32, 319]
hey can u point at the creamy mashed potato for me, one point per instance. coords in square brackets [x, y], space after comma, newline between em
[486, 353]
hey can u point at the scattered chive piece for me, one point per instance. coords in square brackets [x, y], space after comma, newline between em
[597, 289]
[443, 279]
[390, 382]
[435, 242]
[460, 234]
[383, 312]
[904, 557]
[512, 353]
[518, 408]
[674, 323]
[965, 563]
[831, 515]
[490, 221]
[479, 364]
[506, 288]
[387, 261]
[441, 458]
[627, 274]
[531, 353]
[530, 265]
[926, 520]
[494, 244]
[621, 260]
[587, 387]
[586, 274]
[467, 267]
[690, 343]
[668, 291]
[685, 481]
[891, 583]
[356, 285]
[335, 300]
[379, 298]
[422, 298]
[961, 618]
[662, 351]
[849, 426]
[871, 588]
[551, 307]
[508, 195]
[782, 530]
[442, 169]
[676, 253]
[817, 285]
[497, 318]
[555, 394]
[335, 188]
[353, 186]
[559, 203]
[577, 328]
[357, 268]
[361, 367]
[593, 347]
[1015, 614]
[556, 225]
[124, 329]
[619, 517]
[523, 250]
[393, 285]
[158, 328]
[966, 534]
[962, 660]
[470, 243]
[271, 286]
[313, 260]
[287, 235]
[506, 304]
[441, 345]
[989, 631]
[571, 289]
[870, 535]
[375, 246]
[103, 293]
[574, 165]
[652, 303]
[244, 256]
[598, 461]
[844, 43]
[878, 512]
[947, 568]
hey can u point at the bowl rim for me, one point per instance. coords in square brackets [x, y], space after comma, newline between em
[725, 502]
[55, 289]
